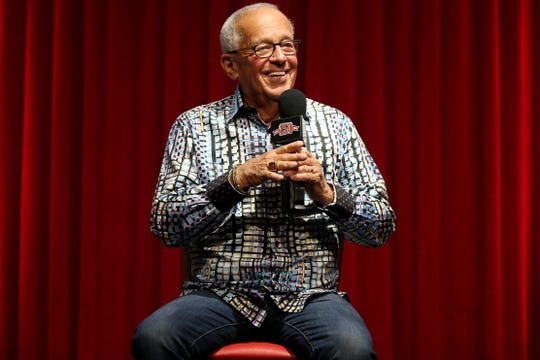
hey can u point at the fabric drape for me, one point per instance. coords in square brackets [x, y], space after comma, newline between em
[445, 93]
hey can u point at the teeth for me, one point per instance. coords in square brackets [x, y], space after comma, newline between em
[277, 73]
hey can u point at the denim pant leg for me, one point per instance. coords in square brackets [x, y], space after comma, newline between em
[328, 328]
[189, 327]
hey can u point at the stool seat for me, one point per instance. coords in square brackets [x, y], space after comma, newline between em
[252, 350]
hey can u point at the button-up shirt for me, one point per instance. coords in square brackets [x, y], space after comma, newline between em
[247, 248]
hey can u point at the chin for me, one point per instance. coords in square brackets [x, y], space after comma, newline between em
[277, 91]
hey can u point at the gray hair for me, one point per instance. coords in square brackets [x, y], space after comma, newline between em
[230, 37]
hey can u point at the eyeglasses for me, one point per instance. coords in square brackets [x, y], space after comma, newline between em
[265, 50]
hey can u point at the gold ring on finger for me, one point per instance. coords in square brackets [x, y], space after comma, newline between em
[272, 165]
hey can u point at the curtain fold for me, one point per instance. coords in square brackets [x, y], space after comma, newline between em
[444, 93]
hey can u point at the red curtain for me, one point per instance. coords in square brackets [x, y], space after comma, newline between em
[445, 93]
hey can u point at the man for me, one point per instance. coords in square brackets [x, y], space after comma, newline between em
[262, 271]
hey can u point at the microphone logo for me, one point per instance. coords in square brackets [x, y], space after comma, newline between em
[285, 129]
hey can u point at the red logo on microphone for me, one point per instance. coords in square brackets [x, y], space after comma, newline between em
[285, 129]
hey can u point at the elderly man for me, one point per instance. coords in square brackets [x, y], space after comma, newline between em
[262, 270]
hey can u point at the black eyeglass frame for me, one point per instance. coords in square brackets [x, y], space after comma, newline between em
[253, 48]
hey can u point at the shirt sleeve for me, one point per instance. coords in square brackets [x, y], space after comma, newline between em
[343, 205]
[362, 209]
[184, 208]
[222, 194]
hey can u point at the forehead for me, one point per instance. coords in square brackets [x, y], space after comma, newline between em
[264, 25]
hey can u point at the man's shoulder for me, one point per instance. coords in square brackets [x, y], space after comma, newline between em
[316, 107]
[217, 106]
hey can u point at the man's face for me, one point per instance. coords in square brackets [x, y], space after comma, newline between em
[263, 79]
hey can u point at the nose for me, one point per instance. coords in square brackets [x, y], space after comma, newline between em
[278, 55]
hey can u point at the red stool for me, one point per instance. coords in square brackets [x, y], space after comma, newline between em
[252, 350]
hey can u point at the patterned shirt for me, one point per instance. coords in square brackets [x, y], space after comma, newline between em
[245, 248]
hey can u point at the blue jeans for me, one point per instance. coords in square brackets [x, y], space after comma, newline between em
[195, 325]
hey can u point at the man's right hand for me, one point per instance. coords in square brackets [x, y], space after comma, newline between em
[270, 165]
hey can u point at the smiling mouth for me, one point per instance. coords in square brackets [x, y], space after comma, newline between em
[276, 73]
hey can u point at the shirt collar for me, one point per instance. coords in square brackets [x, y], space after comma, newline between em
[237, 104]
[238, 107]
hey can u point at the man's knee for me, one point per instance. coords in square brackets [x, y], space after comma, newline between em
[343, 334]
[348, 345]
[153, 337]
[345, 345]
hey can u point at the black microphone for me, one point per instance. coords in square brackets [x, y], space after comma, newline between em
[292, 102]
[288, 128]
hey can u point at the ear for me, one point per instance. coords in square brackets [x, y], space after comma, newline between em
[229, 66]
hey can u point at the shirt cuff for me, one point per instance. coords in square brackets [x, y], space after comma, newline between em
[343, 205]
[222, 194]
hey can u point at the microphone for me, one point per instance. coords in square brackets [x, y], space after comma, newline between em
[288, 128]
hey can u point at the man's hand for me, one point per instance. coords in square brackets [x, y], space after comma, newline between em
[272, 165]
[288, 161]
[309, 172]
